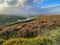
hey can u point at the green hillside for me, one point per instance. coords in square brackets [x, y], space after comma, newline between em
[7, 19]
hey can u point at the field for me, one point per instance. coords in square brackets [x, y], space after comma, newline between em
[40, 30]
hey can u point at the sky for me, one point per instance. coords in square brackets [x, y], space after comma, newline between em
[22, 7]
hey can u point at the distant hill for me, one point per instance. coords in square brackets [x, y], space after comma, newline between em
[9, 19]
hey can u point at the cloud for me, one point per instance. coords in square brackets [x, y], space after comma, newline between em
[19, 2]
[20, 11]
[50, 6]
[19, 6]
[54, 9]
[27, 7]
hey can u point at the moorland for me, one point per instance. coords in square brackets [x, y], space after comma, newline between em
[30, 30]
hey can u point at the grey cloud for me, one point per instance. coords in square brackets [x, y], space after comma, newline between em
[21, 7]
[20, 2]
[12, 2]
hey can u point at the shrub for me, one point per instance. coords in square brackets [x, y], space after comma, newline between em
[9, 34]
[1, 41]
[32, 41]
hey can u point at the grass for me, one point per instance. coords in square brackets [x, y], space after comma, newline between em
[53, 34]
[32, 41]
[48, 37]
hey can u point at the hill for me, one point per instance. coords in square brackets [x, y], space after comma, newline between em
[34, 27]
[42, 26]
[9, 19]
